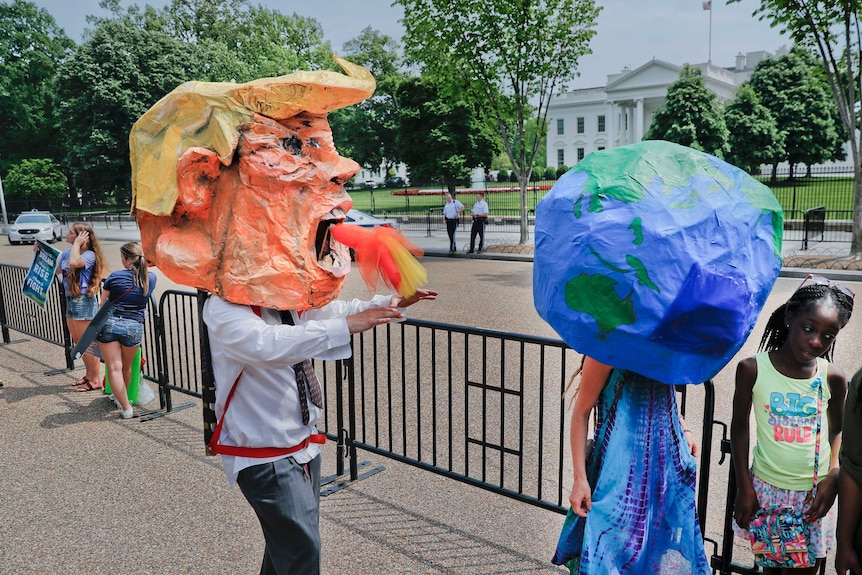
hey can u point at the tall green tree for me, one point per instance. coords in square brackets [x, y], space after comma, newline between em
[31, 49]
[367, 132]
[506, 58]
[832, 31]
[267, 42]
[113, 78]
[440, 139]
[135, 56]
[794, 89]
[691, 115]
[37, 180]
[753, 134]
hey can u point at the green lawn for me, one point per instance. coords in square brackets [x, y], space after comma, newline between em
[382, 200]
[835, 193]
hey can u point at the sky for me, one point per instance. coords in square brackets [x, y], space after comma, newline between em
[629, 32]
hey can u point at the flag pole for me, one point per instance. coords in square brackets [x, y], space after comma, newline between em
[709, 57]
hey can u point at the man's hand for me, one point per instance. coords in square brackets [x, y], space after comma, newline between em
[421, 294]
[370, 318]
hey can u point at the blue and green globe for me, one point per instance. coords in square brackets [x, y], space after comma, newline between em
[656, 258]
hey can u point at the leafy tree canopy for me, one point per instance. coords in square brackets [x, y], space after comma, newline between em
[440, 139]
[830, 30]
[36, 179]
[793, 88]
[691, 115]
[753, 136]
[113, 78]
[258, 42]
[367, 132]
[505, 58]
[31, 48]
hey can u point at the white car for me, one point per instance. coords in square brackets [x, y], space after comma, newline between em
[357, 218]
[35, 225]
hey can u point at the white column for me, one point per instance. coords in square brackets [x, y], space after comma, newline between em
[639, 120]
[626, 121]
[611, 125]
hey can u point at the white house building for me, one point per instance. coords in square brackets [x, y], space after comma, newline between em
[620, 113]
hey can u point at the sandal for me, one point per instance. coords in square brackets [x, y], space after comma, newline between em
[84, 380]
[88, 387]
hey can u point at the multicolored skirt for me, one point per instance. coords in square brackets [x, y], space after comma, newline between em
[822, 531]
[643, 518]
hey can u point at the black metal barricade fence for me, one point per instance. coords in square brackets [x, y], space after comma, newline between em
[479, 406]
[20, 313]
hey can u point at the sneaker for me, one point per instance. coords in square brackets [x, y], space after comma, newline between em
[128, 413]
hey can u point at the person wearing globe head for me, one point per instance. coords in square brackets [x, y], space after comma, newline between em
[639, 437]
[613, 276]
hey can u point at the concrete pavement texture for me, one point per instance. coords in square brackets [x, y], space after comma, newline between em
[86, 492]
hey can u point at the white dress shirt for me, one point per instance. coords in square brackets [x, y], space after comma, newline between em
[264, 411]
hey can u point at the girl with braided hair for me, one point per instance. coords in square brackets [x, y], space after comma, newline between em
[784, 383]
[129, 290]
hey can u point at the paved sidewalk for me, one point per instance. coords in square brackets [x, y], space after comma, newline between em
[85, 492]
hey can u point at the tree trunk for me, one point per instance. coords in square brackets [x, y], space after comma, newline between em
[856, 239]
[525, 230]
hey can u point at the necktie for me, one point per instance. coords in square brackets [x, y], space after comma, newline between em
[306, 379]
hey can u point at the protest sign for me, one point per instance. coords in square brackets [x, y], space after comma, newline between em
[38, 280]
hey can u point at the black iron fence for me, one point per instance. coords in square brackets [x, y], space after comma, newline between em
[417, 207]
[829, 186]
[478, 406]
[20, 313]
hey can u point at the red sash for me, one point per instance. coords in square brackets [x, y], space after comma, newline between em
[215, 448]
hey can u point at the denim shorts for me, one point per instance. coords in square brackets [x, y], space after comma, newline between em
[128, 332]
[83, 307]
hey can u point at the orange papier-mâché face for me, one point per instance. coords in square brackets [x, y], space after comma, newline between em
[255, 232]
[234, 186]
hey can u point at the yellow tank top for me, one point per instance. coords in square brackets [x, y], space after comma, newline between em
[785, 410]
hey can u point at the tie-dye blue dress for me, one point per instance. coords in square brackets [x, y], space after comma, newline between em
[643, 518]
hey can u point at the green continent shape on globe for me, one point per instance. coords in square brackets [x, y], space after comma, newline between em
[593, 294]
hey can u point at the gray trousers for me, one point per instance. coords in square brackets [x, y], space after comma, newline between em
[285, 495]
